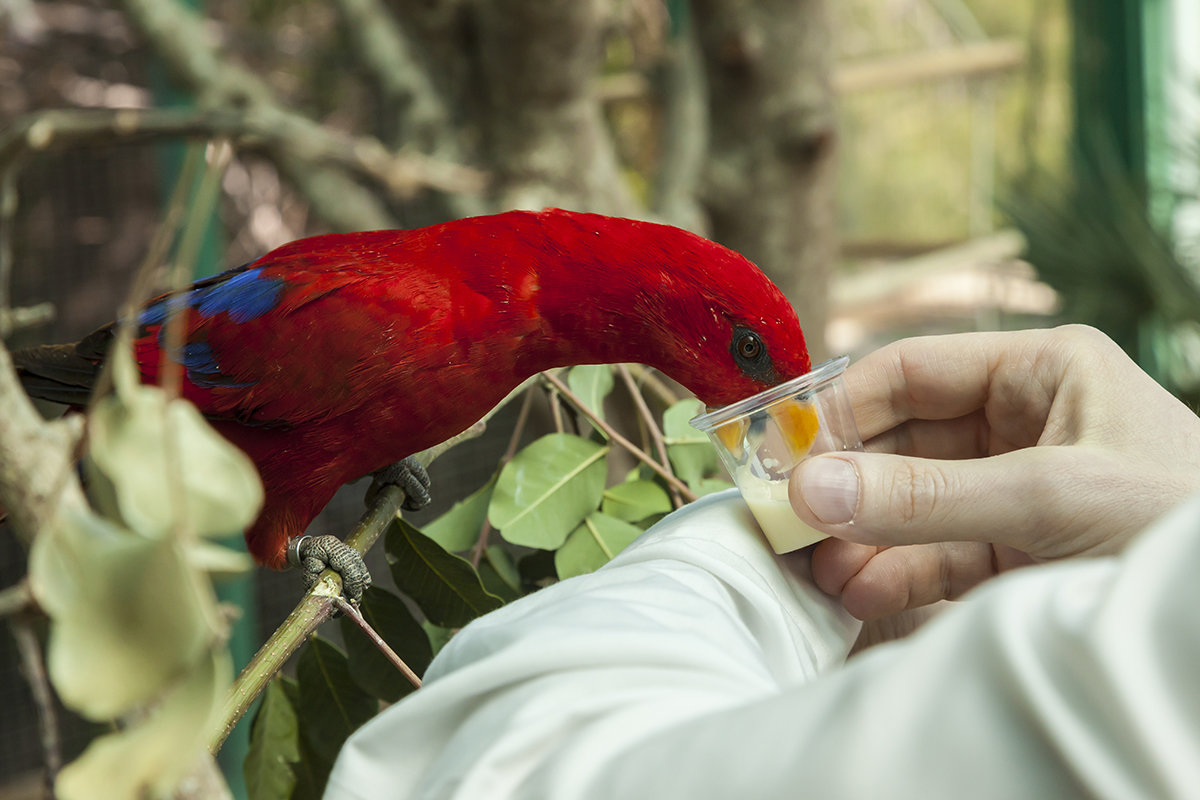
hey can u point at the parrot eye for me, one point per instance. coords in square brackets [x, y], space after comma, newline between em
[750, 354]
[749, 346]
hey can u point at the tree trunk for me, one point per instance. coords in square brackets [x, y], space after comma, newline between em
[769, 182]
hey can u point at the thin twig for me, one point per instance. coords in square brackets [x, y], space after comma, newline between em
[43, 698]
[650, 379]
[353, 613]
[655, 432]
[182, 271]
[611, 432]
[17, 599]
[555, 408]
[485, 530]
[8, 215]
[16, 319]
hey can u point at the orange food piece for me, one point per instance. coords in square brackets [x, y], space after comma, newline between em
[797, 421]
[732, 434]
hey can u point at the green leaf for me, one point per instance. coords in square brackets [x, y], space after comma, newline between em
[392, 620]
[537, 569]
[591, 383]
[438, 636]
[458, 529]
[130, 614]
[548, 489]
[312, 773]
[691, 453]
[504, 564]
[311, 770]
[635, 500]
[498, 573]
[139, 440]
[593, 544]
[332, 706]
[219, 561]
[711, 485]
[274, 747]
[445, 586]
[151, 756]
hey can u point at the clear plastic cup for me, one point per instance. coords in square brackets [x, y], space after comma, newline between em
[763, 438]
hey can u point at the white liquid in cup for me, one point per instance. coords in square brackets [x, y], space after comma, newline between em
[768, 502]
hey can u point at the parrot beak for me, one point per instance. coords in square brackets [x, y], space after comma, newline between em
[796, 420]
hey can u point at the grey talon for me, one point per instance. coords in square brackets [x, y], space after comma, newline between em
[410, 476]
[314, 554]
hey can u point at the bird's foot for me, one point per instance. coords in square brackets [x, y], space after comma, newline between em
[410, 476]
[313, 554]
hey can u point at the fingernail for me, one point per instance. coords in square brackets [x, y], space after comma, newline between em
[829, 486]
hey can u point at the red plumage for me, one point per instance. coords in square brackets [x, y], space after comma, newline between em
[334, 356]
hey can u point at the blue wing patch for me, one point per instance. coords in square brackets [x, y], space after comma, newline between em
[244, 295]
[203, 369]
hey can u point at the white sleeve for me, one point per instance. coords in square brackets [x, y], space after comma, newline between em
[694, 667]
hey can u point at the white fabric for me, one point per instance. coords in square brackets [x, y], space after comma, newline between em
[693, 666]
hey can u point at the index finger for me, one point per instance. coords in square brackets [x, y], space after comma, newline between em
[951, 376]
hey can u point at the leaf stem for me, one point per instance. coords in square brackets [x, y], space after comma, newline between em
[353, 613]
[611, 432]
[655, 432]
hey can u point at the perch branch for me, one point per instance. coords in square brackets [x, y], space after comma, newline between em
[317, 604]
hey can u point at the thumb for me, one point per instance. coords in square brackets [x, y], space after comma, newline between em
[1040, 500]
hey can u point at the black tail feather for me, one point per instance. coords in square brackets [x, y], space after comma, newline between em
[60, 373]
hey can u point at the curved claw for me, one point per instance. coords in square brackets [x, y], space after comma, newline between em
[410, 476]
[313, 554]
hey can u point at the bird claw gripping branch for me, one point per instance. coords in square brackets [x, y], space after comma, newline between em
[312, 555]
[410, 476]
[331, 357]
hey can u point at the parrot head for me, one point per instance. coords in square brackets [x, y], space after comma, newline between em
[693, 309]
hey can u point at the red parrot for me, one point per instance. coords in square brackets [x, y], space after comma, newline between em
[331, 357]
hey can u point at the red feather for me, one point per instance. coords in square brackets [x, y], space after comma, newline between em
[334, 356]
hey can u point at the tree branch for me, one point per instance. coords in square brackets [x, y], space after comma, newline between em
[183, 42]
[401, 174]
[37, 459]
[43, 697]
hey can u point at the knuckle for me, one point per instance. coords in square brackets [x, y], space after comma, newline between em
[915, 492]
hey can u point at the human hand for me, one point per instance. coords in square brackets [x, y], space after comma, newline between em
[988, 451]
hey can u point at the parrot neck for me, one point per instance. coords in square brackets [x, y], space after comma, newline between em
[603, 300]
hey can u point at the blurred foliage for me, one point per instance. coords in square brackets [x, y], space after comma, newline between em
[1115, 267]
[906, 158]
[136, 635]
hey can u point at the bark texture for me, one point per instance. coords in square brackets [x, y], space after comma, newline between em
[769, 182]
